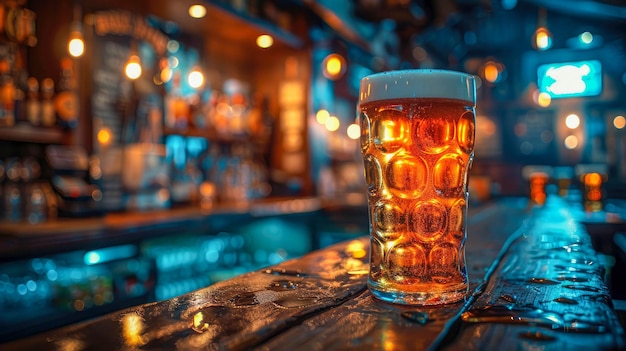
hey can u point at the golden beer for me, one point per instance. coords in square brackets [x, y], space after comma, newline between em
[417, 141]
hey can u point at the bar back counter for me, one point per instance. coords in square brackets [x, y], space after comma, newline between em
[536, 284]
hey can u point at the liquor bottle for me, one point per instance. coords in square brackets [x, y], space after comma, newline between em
[48, 116]
[33, 105]
[7, 95]
[66, 100]
[12, 190]
[177, 109]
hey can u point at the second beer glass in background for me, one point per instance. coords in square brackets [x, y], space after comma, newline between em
[417, 141]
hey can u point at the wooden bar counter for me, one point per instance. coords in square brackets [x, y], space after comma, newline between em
[536, 284]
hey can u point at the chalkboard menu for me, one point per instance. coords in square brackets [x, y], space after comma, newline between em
[118, 105]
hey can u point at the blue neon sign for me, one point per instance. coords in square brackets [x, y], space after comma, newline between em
[570, 79]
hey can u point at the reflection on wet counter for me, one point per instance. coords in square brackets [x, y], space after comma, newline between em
[541, 282]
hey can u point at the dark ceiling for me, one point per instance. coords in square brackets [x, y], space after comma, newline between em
[449, 30]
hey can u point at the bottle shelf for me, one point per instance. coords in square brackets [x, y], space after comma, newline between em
[248, 22]
[210, 135]
[24, 132]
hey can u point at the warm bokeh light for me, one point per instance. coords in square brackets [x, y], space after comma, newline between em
[104, 136]
[354, 131]
[173, 62]
[485, 126]
[593, 179]
[334, 66]
[264, 41]
[571, 142]
[491, 72]
[133, 67]
[163, 194]
[544, 99]
[166, 74]
[173, 46]
[585, 38]
[332, 123]
[197, 11]
[619, 122]
[543, 39]
[572, 121]
[322, 116]
[356, 249]
[76, 45]
[195, 79]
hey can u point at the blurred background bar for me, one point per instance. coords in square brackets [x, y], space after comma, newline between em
[151, 148]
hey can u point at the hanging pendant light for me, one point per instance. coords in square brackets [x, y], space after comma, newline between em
[76, 43]
[133, 65]
[542, 38]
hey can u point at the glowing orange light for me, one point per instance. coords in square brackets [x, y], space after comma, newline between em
[593, 179]
[544, 99]
[132, 327]
[594, 195]
[104, 136]
[543, 39]
[538, 181]
[133, 67]
[491, 72]
[264, 41]
[76, 45]
[322, 116]
[332, 124]
[197, 11]
[334, 66]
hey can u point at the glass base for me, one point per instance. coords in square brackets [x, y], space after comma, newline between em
[419, 298]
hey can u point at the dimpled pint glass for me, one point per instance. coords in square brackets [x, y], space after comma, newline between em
[417, 141]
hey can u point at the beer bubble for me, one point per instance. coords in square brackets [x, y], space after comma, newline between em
[376, 258]
[406, 176]
[373, 174]
[457, 211]
[407, 262]
[444, 259]
[448, 175]
[390, 129]
[465, 132]
[365, 131]
[389, 219]
[434, 135]
[428, 220]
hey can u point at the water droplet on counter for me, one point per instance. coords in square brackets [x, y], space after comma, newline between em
[282, 285]
[508, 298]
[543, 281]
[289, 272]
[529, 316]
[536, 335]
[359, 272]
[566, 301]
[416, 316]
[573, 279]
[245, 299]
[199, 324]
[582, 261]
[582, 288]
[575, 269]
[295, 301]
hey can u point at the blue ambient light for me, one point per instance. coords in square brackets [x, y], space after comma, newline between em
[109, 254]
[570, 79]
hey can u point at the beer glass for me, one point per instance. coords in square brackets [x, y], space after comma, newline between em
[417, 142]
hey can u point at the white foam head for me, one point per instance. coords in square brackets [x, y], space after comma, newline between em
[418, 83]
